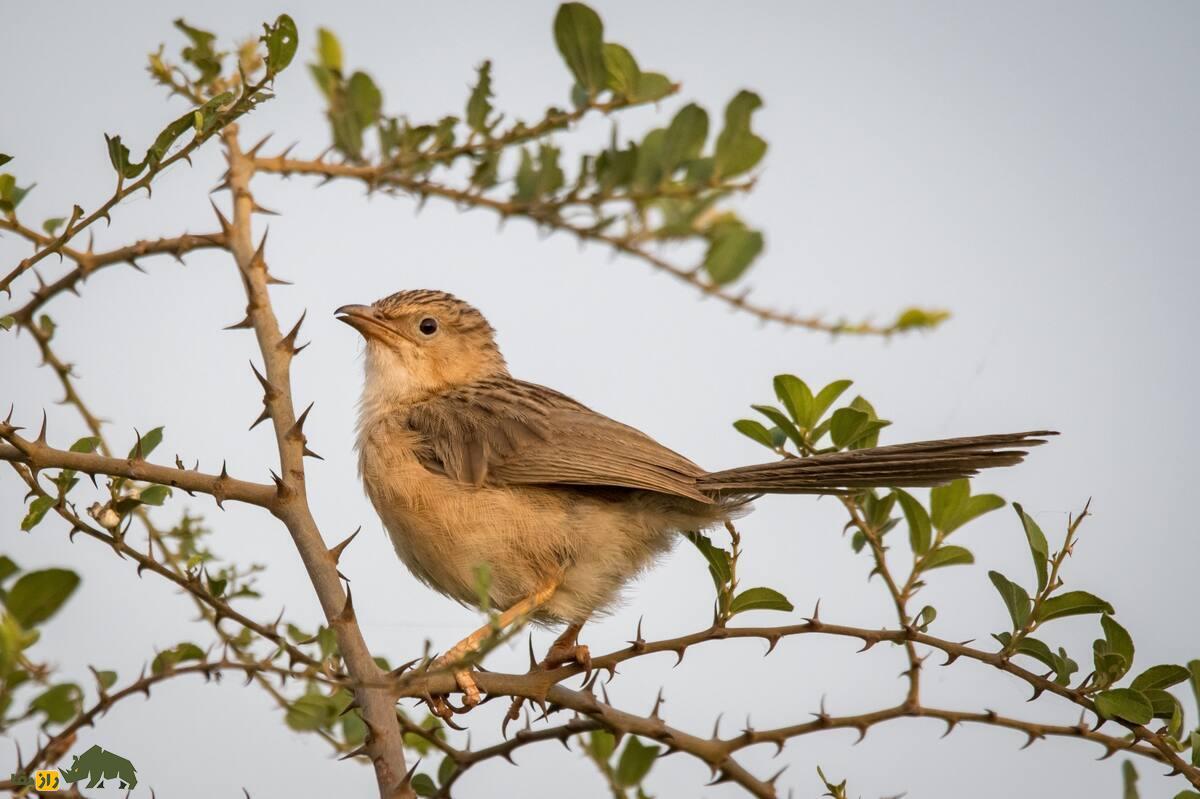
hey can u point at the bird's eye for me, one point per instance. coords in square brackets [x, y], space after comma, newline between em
[428, 326]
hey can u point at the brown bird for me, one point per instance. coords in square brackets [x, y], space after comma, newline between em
[466, 466]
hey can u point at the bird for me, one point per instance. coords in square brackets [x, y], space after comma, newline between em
[470, 468]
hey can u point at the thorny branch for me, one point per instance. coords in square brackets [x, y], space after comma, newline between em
[38, 455]
[548, 217]
[88, 262]
[384, 742]
[210, 669]
[78, 221]
[545, 687]
[375, 690]
[220, 608]
[213, 609]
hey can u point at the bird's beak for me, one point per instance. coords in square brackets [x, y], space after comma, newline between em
[362, 318]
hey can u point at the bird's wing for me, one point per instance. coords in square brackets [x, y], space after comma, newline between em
[507, 432]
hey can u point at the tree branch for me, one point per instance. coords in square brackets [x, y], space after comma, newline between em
[220, 608]
[544, 686]
[544, 214]
[142, 685]
[38, 455]
[88, 262]
[384, 743]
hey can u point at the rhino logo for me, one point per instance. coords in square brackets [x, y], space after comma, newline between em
[98, 765]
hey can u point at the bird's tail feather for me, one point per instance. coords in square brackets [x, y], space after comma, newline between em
[922, 463]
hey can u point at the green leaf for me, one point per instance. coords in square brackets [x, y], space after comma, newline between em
[168, 135]
[364, 99]
[1037, 545]
[622, 71]
[1129, 778]
[4, 159]
[423, 785]
[846, 425]
[6, 322]
[38, 595]
[311, 711]
[1117, 638]
[329, 49]
[759, 599]
[7, 568]
[118, 154]
[167, 659]
[446, 770]
[797, 398]
[755, 430]
[917, 318]
[1015, 599]
[952, 505]
[920, 533]
[653, 86]
[684, 137]
[947, 556]
[148, 442]
[1072, 603]
[11, 194]
[738, 148]
[731, 250]
[201, 54]
[1159, 677]
[1194, 679]
[601, 744]
[850, 427]
[718, 559]
[1063, 666]
[86, 444]
[281, 40]
[216, 585]
[635, 762]
[878, 510]
[354, 729]
[781, 421]
[154, 495]
[827, 396]
[1163, 702]
[579, 34]
[107, 678]
[1125, 703]
[60, 703]
[37, 511]
[53, 224]
[479, 105]
[926, 617]
[1113, 654]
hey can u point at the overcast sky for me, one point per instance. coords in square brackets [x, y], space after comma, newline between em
[1032, 167]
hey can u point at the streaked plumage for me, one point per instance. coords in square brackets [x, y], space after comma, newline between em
[467, 465]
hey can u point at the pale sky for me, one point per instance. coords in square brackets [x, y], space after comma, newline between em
[1033, 168]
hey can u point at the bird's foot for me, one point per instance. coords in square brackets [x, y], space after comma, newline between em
[563, 652]
[440, 705]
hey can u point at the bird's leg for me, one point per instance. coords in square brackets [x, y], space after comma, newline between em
[565, 649]
[455, 654]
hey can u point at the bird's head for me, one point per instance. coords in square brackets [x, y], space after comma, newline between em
[421, 342]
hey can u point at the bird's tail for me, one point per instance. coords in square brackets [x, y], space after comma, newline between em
[922, 463]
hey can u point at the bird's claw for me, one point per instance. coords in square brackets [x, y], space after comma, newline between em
[440, 704]
[561, 653]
